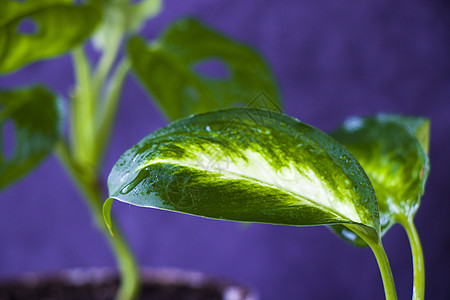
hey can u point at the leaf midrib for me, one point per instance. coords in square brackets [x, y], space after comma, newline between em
[313, 203]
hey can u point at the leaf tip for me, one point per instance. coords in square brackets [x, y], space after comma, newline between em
[107, 214]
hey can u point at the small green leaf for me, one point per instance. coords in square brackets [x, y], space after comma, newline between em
[123, 16]
[248, 165]
[36, 115]
[168, 69]
[392, 150]
[34, 30]
[143, 11]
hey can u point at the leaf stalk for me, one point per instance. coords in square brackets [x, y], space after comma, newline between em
[382, 260]
[93, 196]
[417, 256]
[82, 162]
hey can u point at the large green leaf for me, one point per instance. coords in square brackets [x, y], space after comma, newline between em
[167, 69]
[247, 165]
[36, 116]
[392, 149]
[56, 27]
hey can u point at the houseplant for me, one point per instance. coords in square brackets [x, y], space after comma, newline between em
[167, 66]
[256, 165]
[299, 84]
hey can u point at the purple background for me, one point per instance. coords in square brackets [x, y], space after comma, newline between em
[332, 59]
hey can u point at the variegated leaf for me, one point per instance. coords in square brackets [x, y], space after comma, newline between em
[247, 165]
[393, 152]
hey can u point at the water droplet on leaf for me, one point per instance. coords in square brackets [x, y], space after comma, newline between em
[138, 179]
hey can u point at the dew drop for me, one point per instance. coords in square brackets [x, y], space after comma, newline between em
[127, 189]
[137, 180]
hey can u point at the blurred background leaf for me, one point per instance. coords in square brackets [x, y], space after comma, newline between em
[34, 30]
[123, 16]
[392, 151]
[193, 69]
[36, 116]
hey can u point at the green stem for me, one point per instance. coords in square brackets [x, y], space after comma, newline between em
[83, 109]
[417, 254]
[93, 196]
[107, 60]
[109, 109]
[385, 270]
[83, 163]
[376, 245]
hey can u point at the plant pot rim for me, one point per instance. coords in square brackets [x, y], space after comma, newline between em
[230, 290]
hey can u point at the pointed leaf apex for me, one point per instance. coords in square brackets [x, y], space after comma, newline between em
[107, 214]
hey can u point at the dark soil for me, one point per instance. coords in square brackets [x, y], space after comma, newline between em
[99, 284]
[58, 290]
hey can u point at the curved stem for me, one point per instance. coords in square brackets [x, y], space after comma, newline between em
[417, 255]
[385, 270]
[82, 161]
[93, 196]
[376, 245]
